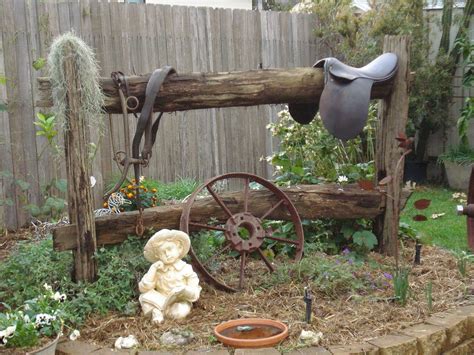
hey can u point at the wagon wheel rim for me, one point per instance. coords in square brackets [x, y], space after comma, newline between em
[470, 220]
[238, 218]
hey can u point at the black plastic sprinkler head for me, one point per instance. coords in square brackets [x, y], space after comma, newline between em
[417, 253]
[308, 299]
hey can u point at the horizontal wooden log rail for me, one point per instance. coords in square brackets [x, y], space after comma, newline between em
[213, 90]
[311, 201]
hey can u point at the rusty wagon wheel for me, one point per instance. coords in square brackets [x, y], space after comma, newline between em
[241, 236]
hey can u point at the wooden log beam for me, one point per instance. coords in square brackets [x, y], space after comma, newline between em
[80, 202]
[182, 92]
[393, 116]
[311, 201]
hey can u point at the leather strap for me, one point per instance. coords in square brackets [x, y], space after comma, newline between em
[144, 124]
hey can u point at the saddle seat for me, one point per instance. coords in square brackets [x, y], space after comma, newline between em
[380, 69]
[344, 102]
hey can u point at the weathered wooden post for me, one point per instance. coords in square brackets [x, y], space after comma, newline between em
[80, 203]
[393, 115]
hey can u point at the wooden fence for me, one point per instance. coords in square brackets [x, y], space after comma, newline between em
[137, 39]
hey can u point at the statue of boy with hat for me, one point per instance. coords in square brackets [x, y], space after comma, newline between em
[170, 285]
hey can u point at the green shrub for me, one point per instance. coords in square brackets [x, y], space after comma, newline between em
[308, 153]
[34, 264]
[330, 276]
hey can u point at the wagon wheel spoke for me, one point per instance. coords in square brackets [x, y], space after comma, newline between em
[273, 208]
[220, 202]
[268, 235]
[265, 260]
[216, 254]
[207, 226]
[243, 257]
[246, 194]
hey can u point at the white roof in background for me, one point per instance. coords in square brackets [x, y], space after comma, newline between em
[306, 5]
[229, 4]
[438, 4]
[363, 5]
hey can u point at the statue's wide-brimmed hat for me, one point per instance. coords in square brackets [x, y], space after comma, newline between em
[176, 236]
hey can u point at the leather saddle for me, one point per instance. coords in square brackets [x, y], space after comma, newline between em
[344, 102]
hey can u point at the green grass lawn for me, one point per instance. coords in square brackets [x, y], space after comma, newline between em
[448, 231]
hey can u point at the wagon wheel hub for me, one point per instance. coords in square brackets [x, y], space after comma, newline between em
[244, 232]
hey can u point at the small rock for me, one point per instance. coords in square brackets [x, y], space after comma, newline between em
[309, 337]
[177, 337]
[126, 342]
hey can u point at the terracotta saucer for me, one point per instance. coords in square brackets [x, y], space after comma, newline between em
[262, 342]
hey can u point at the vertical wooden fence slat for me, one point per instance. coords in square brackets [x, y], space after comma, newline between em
[8, 217]
[21, 112]
[393, 115]
[80, 202]
[105, 154]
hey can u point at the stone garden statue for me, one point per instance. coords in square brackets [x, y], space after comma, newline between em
[170, 285]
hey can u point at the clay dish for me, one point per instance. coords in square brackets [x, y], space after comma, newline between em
[251, 333]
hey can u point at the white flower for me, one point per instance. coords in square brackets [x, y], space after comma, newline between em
[93, 181]
[3, 339]
[10, 331]
[26, 318]
[47, 287]
[342, 178]
[43, 319]
[74, 335]
[27, 307]
[141, 178]
[61, 297]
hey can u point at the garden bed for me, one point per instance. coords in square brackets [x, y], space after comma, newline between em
[345, 309]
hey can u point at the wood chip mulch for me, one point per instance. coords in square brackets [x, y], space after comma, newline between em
[346, 319]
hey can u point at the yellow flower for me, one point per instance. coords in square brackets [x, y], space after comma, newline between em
[154, 190]
[105, 204]
[130, 195]
[130, 187]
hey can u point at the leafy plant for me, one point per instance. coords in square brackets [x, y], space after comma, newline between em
[39, 63]
[7, 176]
[308, 153]
[401, 285]
[408, 232]
[39, 317]
[46, 123]
[120, 269]
[330, 277]
[153, 191]
[144, 190]
[365, 239]
[462, 261]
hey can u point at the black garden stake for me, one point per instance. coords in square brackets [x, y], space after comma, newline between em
[308, 299]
